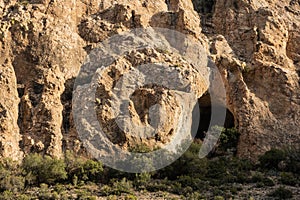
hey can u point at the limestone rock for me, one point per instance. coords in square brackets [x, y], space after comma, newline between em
[43, 44]
[262, 93]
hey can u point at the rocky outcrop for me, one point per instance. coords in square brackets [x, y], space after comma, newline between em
[9, 130]
[44, 53]
[261, 76]
[44, 43]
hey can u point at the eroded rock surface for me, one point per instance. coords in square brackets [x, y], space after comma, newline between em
[262, 75]
[44, 43]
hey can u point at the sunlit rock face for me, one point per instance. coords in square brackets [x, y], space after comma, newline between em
[44, 44]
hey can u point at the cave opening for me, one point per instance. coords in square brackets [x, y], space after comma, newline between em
[205, 121]
[204, 7]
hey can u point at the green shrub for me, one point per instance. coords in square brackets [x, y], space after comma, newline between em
[218, 198]
[120, 187]
[44, 169]
[12, 183]
[141, 180]
[217, 169]
[187, 190]
[272, 158]
[80, 169]
[288, 179]
[7, 195]
[92, 170]
[158, 185]
[193, 196]
[83, 194]
[242, 177]
[176, 188]
[59, 188]
[105, 190]
[140, 148]
[293, 160]
[130, 197]
[257, 177]
[229, 138]
[187, 181]
[282, 193]
[188, 164]
[23, 197]
[268, 182]
[10, 176]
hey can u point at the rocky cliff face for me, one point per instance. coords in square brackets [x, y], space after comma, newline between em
[43, 44]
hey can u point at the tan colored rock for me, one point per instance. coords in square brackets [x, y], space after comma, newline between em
[9, 130]
[263, 93]
[154, 109]
[43, 44]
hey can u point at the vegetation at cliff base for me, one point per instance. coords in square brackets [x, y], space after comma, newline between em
[220, 176]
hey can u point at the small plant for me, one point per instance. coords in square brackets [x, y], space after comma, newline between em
[194, 195]
[130, 197]
[268, 182]
[272, 158]
[44, 169]
[257, 177]
[288, 179]
[23, 197]
[140, 148]
[82, 170]
[218, 198]
[11, 178]
[7, 195]
[120, 187]
[141, 180]
[293, 161]
[229, 138]
[281, 193]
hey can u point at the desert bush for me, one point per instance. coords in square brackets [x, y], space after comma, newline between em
[272, 158]
[7, 195]
[194, 195]
[293, 159]
[281, 193]
[188, 164]
[141, 180]
[229, 138]
[92, 170]
[80, 169]
[11, 176]
[187, 190]
[105, 190]
[59, 188]
[194, 183]
[268, 182]
[158, 185]
[23, 197]
[217, 168]
[122, 186]
[41, 169]
[130, 197]
[257, 177]
[140, 148]
[288, 179]
[83, 194]
[218, 198]
[12, 183]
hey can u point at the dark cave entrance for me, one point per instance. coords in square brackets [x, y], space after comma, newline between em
[205, 109]
[204, 7]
